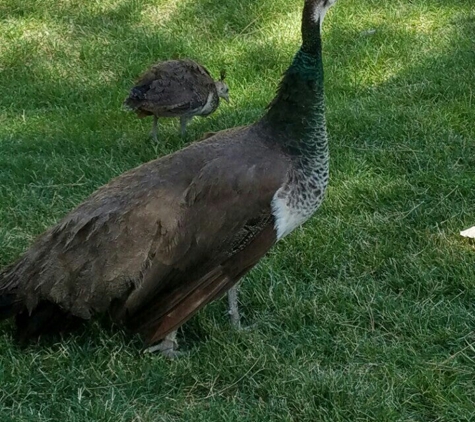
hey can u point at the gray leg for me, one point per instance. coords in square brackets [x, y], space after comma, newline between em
[153, 134]
[168, 346]
[233, 307]
[183, 122]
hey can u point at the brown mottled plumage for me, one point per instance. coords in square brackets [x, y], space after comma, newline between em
[159, 242]
[176, 88]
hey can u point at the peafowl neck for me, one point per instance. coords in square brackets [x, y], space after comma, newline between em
[296, 121]
[297, 112]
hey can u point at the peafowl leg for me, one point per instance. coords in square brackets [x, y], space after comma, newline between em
[167, 347]
[183, 122]
[233, 307]
[153, 134]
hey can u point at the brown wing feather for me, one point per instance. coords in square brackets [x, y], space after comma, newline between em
[183, 304]
[237, 230]
[172, 88]
[176, 229]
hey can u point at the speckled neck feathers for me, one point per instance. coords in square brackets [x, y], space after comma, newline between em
[297, 117]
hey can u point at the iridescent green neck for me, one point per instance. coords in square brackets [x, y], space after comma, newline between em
[297, 111]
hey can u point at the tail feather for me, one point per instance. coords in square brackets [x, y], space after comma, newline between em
[136, 96]
[9, 302]
[9, 306]
[46, 318]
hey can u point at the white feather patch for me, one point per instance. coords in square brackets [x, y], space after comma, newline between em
[286, 219]
[208, 106]
[319, 14]
[469, 232]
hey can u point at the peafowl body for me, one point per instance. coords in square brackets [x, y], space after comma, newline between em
[159, 242]
[176, 88]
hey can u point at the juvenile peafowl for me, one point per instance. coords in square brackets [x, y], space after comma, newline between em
[176, 88]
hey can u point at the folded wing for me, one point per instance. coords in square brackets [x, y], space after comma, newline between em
[154, 245]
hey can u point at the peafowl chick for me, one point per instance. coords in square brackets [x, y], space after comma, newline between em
[176, 88]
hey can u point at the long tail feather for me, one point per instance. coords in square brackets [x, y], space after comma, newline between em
[9, 303]
[9, 306]
[46, 318]
[135, 98]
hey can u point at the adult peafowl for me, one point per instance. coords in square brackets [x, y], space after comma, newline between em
[159, 242]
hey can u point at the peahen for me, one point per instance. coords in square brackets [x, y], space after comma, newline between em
[159, 242]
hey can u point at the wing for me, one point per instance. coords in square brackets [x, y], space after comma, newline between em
[173, 88]
[159, 242]
[236, 230]
[171, 305]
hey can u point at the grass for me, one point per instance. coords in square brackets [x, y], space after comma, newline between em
[365, 314]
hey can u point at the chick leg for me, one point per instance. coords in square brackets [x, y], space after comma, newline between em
[167, 347]
[153, 134]
[183, 122]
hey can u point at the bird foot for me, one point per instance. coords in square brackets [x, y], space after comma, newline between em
[167, 348]
[246, 328]
[235, 319]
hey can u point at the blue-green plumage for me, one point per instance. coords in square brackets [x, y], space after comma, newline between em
[297, 115]
[297, 111]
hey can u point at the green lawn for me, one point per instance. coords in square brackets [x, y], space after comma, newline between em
[367, 313]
